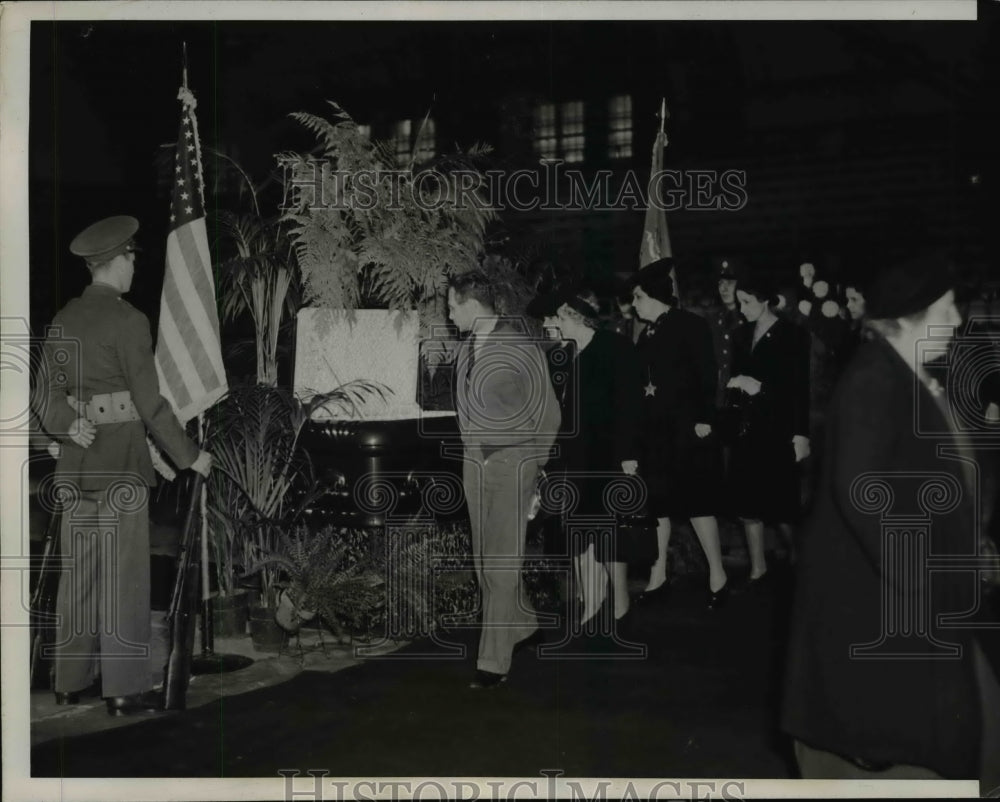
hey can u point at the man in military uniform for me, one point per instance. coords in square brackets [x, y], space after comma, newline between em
[99, 404]
[723, 318]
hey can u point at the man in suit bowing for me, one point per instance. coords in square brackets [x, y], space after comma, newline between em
[508, 417]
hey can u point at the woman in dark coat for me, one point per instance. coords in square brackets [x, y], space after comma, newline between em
[880, 684]
[854, 296]
[598, 440]
[682, 457]
[769, 392]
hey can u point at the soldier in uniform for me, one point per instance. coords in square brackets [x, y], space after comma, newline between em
[724, 318]
[99, 404]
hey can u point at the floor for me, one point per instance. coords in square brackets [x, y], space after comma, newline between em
[695, 695]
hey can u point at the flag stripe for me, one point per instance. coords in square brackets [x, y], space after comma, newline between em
[193, 239]
[170, 375]
[189, 315]
[181, 348]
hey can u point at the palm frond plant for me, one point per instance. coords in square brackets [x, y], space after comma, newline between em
[253, 436]
[367, 229]
[260, 279]
[258, 273]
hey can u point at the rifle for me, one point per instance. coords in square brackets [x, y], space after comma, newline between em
[183, 610]
[43, 603]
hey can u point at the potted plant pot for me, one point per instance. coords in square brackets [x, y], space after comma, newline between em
[267, 634]
[230, 614]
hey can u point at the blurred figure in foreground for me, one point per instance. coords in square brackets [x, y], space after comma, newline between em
[879, 686]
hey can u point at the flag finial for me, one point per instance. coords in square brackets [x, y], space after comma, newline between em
[184, 63]
[663, 113]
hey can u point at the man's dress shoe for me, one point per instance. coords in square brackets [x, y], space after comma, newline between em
[73, 697]
[530, 643]
[487, 679]
[147, 702]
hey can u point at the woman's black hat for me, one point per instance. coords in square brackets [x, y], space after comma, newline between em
[907, 286]
[657, 280]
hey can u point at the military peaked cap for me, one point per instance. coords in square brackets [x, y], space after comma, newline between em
[105, 239]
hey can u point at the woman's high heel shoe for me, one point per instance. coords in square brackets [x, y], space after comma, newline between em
[657, 595]
[718, 598]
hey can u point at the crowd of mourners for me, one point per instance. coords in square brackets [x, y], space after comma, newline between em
[715, 402]
[819, 411]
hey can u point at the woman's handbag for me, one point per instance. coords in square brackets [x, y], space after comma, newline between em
[734, 417]
[636, 534]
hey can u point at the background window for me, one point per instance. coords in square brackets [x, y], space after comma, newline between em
[401, 141]
[546, 132]
[620, 127]
[423, 149]
[571, 142]
[403, 134]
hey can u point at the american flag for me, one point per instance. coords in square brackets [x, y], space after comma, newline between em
[188, 350]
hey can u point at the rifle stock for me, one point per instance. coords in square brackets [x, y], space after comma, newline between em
[183, 610]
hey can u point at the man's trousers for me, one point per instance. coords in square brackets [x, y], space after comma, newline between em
[498, 490]
[103, 600]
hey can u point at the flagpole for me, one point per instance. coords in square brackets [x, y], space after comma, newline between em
[190, 214]
[663, 135]
[207, 624]
[207, 634]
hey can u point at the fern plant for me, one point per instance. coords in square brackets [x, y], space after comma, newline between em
[367, 229]
[318, 577]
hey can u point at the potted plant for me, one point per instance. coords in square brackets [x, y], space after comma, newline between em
[230, 604]
[321, 576]
[264, 480]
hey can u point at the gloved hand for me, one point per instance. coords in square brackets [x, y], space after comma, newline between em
[801, 445]
[82, 432]
[203, 464]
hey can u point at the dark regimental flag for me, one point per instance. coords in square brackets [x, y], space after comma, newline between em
[655, 237]
[188, 350]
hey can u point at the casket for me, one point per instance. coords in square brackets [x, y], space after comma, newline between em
[380, 471]
[389, 456]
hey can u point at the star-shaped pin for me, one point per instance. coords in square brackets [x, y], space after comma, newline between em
[650, 389]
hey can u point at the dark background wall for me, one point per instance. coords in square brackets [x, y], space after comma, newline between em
[849, 132]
